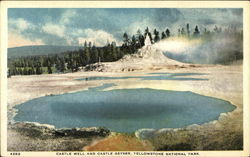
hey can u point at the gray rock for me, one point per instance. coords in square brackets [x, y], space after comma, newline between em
[44, 131]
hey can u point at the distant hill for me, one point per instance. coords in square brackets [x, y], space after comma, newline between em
[38, 50]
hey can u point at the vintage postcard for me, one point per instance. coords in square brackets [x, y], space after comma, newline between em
[117, 78]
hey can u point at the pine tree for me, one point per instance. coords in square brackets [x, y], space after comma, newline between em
[20, 71]
[119, 53]
[33, 70]
[90, 44]
[163, 35]
[86, 56]
[49, 69]
[101, 53]
[149, 34]
[62, 65]
[48, 64]
[81, 57]
[183, 32]
[188, 31]
[30, 72]
[70, 62]
[25, 71]
[146, 31]
[94, 54]
[39, 69]
[85, 44]
[133, 42]
[196, 31]
[125, 39]
[156, 36]
[139, 39]
[74, 66]
[168, 33]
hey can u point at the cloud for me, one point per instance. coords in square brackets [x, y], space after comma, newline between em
[54, 29]
[165, 17]
[20, 24]
[67, 15]
[15, 40]
[60, 30]
[142, 25]
[99, 37]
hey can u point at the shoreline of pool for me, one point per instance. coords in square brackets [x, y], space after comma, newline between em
[14, 111]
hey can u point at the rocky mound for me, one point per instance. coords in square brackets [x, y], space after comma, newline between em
[146, 58]
[149, 55]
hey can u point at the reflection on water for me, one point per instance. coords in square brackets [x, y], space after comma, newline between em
[154, 76]
[123, 110]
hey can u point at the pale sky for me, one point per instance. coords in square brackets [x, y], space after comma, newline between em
[59, 26]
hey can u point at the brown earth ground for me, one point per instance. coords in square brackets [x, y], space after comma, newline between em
[224, 82]
[120, 142]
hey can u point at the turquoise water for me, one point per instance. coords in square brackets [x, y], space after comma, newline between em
[123, 110]
[154, 76]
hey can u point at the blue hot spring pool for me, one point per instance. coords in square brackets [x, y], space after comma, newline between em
[123, 110]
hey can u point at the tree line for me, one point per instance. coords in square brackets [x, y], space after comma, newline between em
[72, 61]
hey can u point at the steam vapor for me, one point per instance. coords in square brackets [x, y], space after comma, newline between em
[220, 49]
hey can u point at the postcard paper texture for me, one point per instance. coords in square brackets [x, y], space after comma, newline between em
[117, 78]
